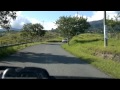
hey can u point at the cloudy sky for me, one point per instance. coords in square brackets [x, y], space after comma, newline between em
[47, 18]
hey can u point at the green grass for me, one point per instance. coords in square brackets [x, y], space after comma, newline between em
[57, 39]
[12, 49]
[85, 45]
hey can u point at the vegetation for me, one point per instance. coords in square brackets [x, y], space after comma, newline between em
[32, 31]
[114, 26]
[70, 26]
[90, 47]
[10, 38]
[12, 49]
[29, 33]
[14, 37]
[5, 17]
[95, 27]
[52, 36]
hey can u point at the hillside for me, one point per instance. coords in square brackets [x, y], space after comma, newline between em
[15, 29]
[90, 47]
[96, 25]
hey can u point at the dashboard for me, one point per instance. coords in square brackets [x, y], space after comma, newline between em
[24, 73]
[8, 72]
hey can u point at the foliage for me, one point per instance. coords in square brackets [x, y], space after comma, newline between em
[6, 51]
[70, 26]
[5, 18]
[33, 29]
[114, 25]
[90, 47]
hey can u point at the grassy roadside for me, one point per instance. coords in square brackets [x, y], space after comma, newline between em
[57, 39]
[10, 50]
[84, 46]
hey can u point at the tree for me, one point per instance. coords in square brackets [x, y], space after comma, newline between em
[37, 29]
[114, 25]
[5, 18]
[33, 30]
[70, 26]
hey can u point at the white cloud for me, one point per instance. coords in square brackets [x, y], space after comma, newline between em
[111, 14]
[49, 25]
[21, 20]
[16, 22]
[98, 15]
[33, 20]
[19, 13]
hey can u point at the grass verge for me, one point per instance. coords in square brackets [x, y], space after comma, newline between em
[57, 39]
[83, 46]
[13, 49]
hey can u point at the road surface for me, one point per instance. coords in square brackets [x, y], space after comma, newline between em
[56, 60]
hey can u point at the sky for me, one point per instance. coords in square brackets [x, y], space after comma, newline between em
[48, 18]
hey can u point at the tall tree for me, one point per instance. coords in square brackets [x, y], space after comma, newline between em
[114, 24]
[70, 26]
[5, 18]
[33, 30]
[37, 29]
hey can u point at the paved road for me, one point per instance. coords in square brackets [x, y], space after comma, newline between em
[56, 60]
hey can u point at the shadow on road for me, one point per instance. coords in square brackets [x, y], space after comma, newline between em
[43, 58]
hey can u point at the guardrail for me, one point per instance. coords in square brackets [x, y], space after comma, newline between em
[14, 44]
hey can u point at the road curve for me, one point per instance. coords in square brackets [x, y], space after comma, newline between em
[56, 60]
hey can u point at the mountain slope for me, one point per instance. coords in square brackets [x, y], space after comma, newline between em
[96, 24]
[15, 29]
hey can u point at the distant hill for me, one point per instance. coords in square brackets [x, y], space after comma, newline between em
[1, 29]
[96, 24]
[3, 32]
[15, 29]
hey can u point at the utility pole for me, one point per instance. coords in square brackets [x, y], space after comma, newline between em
[105, 31]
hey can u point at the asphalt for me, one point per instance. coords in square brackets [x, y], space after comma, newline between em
[54, 59]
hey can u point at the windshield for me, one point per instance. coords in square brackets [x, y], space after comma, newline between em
[67, 44]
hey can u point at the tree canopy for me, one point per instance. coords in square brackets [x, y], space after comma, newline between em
[113, 25]
[5, 18]
[33, 30]
[70, 26]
